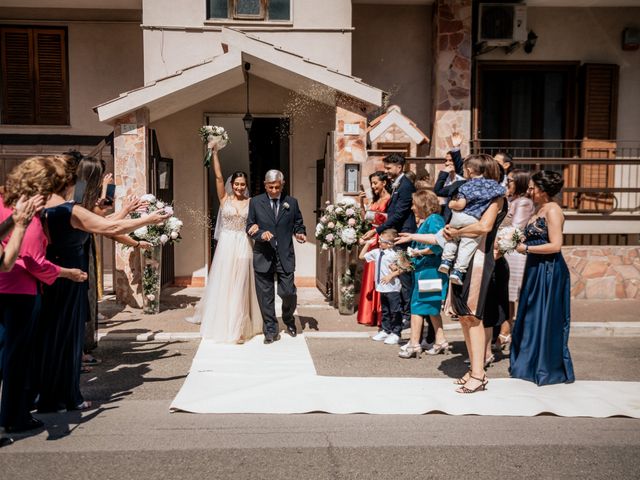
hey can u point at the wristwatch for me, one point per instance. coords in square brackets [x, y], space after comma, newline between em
[526, 250]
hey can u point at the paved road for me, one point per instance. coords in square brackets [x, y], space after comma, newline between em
[132, 435]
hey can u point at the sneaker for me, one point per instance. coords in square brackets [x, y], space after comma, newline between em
[392, 339]
[456, 277]
[380, 336]
[406, 325]
[445, 266]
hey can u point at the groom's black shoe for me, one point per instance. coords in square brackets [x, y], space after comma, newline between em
[291, 330]
[271, 338]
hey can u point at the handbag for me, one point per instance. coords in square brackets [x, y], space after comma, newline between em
[430, 285]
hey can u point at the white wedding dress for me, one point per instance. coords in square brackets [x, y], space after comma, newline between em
[229, 310]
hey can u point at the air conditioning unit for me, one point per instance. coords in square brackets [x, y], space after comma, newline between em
[502, 24]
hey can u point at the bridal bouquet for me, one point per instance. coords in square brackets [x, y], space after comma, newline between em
[217, 135]
[167, 232]
[341, 225]
[508, 239]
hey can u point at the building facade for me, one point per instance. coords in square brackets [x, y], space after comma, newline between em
[561, 91]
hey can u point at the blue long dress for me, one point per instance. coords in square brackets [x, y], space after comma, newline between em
[426, 267]
[65, 309]
[539, 348]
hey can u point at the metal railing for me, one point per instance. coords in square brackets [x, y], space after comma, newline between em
[602, 177]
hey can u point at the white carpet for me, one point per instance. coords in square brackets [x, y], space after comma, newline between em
[281, 378]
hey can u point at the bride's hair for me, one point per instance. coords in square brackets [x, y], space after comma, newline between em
[239, 174]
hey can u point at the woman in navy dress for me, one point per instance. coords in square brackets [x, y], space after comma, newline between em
[65, 305]
[539, 348]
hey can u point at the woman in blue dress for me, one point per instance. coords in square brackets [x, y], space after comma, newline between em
[539, 348]
[65, 305]
[426, 260]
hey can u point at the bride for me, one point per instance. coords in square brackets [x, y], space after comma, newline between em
[229, 312]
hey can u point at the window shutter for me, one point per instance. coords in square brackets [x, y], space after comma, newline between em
[600, 101]
[51, 77]
[18, 99]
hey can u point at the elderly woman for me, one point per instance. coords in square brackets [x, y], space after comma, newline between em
[426, 259]
[19, 292]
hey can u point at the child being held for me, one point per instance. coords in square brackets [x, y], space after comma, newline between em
[474, 197]
[388, 284]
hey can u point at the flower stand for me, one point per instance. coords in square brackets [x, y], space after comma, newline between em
[345, 297]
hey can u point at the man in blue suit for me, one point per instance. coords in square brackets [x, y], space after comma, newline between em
[399, 217]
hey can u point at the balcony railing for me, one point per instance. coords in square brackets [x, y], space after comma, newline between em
[602, 177]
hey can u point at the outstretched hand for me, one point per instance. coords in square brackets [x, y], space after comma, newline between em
[404, 237]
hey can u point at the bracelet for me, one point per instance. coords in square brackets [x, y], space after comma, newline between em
[137, 244]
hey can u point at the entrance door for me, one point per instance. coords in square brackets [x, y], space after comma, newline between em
[266, 147]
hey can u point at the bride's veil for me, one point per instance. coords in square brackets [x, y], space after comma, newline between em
[197, 316]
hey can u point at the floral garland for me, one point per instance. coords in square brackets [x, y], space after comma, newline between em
[341, 225]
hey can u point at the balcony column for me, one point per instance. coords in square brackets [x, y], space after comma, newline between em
[130, 149]
[452, 74]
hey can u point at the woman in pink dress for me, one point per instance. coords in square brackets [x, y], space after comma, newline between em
[521, 209]
[20, 293]
[369, 309]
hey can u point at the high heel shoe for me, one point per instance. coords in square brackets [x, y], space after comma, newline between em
[438, 348]
[461, 380]
[480, 388]
[410, 351]
[505, 343]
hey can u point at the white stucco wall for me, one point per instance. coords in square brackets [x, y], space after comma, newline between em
[392, 50]
[177, 34]
[178, 139]
[105, 59]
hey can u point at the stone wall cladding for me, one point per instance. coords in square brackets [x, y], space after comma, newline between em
[604, 273]
[452, 73]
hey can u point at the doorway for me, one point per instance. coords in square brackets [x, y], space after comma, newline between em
[265, 147]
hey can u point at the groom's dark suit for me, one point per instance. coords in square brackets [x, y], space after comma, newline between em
[275, 257]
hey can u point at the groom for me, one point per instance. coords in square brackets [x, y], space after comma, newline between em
[278, 219]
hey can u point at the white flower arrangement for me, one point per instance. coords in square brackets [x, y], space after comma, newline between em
[340, 226]
[508, 239]
[167, 232]
[216, 134]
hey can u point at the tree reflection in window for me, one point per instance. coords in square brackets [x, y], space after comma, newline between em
[270, 10]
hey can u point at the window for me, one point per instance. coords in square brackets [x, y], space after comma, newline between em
[261, 10]
[34, 88]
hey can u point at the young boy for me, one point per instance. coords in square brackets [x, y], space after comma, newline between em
[388, 284]
[474, 197]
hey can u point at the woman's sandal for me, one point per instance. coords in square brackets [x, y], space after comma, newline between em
[483, 385]
[461, 380]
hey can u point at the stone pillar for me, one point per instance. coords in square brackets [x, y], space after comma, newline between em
[130, 151]
[451, 74]
[348, 148]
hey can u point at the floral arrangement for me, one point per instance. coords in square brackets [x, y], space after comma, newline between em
[341, 225]
[508, 239]
[347, 290]
[156, 235]
[167, 232]
[404, 262]
[213, 133]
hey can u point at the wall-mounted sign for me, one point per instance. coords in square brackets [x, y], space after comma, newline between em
[128, 128]
[351, 129]
[352, 178]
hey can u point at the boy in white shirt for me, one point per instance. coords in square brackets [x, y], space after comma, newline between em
[388, 284]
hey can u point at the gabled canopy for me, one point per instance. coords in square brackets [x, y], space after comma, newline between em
[194, 84]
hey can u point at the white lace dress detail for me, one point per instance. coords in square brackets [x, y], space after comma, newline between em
[229, 311]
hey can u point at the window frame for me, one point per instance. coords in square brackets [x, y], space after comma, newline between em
[33, 59]
[262, 20]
